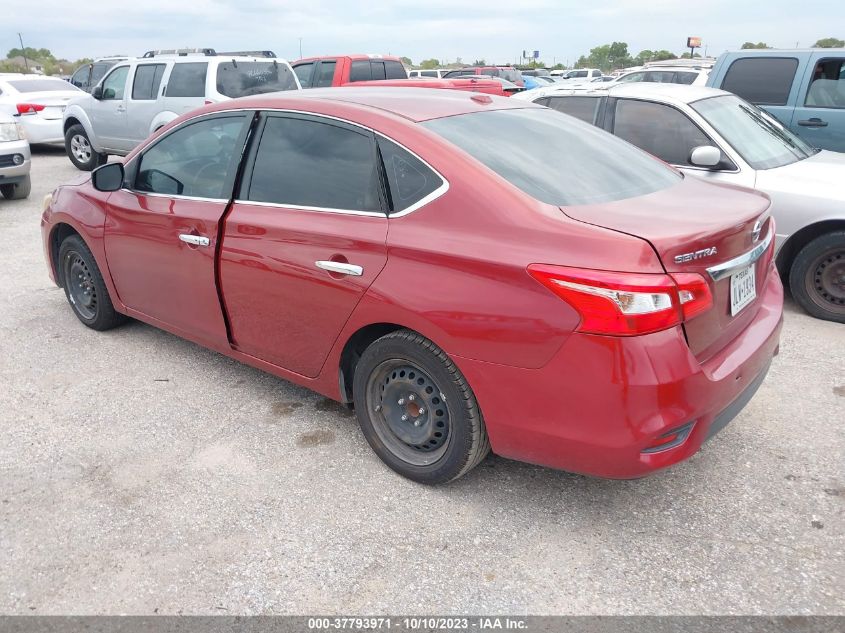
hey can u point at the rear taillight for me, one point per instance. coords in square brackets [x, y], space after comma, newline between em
[29, 108]
[626, 304]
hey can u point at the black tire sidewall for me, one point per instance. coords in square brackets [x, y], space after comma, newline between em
[105, 317]
[96, 158]
[453, 462]
[801, 268]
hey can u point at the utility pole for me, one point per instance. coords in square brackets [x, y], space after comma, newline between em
[300, 48]
[23, 52]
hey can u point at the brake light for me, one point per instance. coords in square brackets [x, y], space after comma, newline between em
[626, 304]
[29, 108]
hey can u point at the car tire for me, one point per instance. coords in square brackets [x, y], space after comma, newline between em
[416, 409]
[85, 289]
[80, 151]
[817, 277]
[18, 190]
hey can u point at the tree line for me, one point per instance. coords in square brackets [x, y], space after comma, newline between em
[43, 57]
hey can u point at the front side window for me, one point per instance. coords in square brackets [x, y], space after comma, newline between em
[558, 160]
[583, 108]
[632, 78]
[308, 163]
[187, 80]
[360, 71]
[763, 80]
[659, 129]
[98, 71]
[242, 79]
[81, 78]
[325, 75]
[409, 180]
[147, 81]
[757, 136]
[115, 84]
[195, 160]
[827, 88]
[304, 73]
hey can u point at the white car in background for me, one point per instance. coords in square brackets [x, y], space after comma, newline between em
[432, 73]
[37, 103]
[14, 159]
[665, 75]
[715, 135]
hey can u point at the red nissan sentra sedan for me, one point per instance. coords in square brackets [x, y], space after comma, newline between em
[566, 300]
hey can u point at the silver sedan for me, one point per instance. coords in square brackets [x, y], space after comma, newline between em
[717, 136]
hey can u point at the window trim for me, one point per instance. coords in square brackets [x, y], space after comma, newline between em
[811, 69]
[132, 165]
[740, 58]
[610, 126]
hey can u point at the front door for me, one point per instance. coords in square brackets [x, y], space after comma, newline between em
[108, 113]
[304, 240]
[161, 230]
[819, 116]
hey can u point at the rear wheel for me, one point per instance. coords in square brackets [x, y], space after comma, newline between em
[80, 151]
[84, 286]
[417, 411]
[817, 277]
[18, 190]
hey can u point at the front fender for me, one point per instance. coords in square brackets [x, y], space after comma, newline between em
[76, 112]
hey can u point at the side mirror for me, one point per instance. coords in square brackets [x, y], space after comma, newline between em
[705, 156]
[108, 177]
[97, 93]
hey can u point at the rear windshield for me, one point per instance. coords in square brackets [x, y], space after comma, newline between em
[510, 74]
[41, 85]
[241, 79]
[554, 157]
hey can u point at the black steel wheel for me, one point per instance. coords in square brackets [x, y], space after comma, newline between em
[416, 409]
[84, 286]
[817, 277]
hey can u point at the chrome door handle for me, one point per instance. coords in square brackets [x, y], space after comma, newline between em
[196, 240]
[340, 267]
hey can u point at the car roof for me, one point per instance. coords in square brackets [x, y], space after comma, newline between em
[665, 92]
[782, 52]
[415, 104]
[354, 57]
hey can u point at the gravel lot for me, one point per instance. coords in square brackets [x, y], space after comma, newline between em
[142, 474]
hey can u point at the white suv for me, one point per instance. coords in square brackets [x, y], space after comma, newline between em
[140, 95]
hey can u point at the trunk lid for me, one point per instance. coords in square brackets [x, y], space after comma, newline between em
[694, 227]
[54, 102]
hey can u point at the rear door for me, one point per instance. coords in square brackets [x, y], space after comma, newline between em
[185, 87]
[161, 228]
[820, 113]
[304, 240]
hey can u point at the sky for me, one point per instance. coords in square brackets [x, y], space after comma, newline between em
[497, 32]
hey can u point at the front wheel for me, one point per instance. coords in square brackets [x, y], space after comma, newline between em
[18, 190]
[84, 286]
[817, 277]
[80, 151]
[416, 409]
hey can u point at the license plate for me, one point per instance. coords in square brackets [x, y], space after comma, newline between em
[743, 289]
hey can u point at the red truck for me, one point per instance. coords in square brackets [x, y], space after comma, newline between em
[381, 70]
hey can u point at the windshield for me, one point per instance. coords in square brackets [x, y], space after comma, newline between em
[241, 79]
[554, 157]
[41, 85]
[758, 137]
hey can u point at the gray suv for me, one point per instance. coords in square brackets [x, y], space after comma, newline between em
[140, 95]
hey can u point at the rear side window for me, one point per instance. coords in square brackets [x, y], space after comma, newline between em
[308, 163]
[325, 75]
[187, 80]
[395, 70]
[658, 129]
[241, 79]
[360, 71]
[558, 160]
[409, 180]
[583, 108]
[147, 81]
[304, 73]
[685, 78]
[761, 80]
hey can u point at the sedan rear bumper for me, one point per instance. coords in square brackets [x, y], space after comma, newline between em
[621, 407]
[42, 131]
